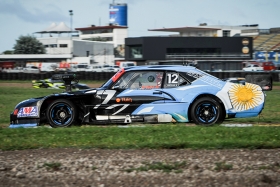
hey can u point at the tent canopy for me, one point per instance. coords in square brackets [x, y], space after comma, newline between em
[56, 29]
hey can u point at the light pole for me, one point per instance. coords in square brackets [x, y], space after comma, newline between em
[71, 42]
[71, 14]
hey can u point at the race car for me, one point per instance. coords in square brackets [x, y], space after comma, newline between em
[144, 94]
[56, 84]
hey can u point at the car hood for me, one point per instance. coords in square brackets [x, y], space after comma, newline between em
[39, 100]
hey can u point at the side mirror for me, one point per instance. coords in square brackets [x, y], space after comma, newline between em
[116, 87]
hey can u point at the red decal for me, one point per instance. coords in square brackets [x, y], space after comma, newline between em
[118, 74]
[27, 110]
[15, 111]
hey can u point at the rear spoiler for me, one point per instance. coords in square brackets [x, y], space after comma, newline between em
[68, 80]
[263, 80]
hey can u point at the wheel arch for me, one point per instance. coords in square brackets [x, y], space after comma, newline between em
[47, 101]
[207, 95]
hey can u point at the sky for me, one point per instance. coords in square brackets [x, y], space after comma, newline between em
[25, 17]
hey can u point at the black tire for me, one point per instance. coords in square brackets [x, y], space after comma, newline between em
[207, 111]
[61, 113]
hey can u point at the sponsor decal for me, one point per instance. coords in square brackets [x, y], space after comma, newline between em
[245, 41]
[206, 79]
[28, 111]
[194, 74]
[245, 50]
[211, 81]
[149, 87]
[151, 78]
[112, 9]
[124, 99]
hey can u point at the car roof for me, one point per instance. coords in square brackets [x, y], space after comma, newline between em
[161, 67]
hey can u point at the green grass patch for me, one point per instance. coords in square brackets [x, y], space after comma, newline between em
[160, 166]
[222, 166]
[54, 166]
[10, 97]
[148, 137]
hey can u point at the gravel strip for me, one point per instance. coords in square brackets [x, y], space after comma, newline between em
[101, 168]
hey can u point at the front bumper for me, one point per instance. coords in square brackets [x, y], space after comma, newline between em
[23, 122]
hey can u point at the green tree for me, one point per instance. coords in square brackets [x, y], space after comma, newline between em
[28, 45]
[8, 52]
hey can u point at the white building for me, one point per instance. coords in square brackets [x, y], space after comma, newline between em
[112, 34]
[57, 44]
[92, 45]
[203, 30]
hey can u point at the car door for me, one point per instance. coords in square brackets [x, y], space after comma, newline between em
[135, 88]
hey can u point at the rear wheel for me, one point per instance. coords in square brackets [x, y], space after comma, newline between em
[207, 111]
[61, 113]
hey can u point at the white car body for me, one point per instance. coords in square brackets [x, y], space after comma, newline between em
[94, 69]
[14, 70]
[253, 67]
[108, 69]
[31, 69]
[116, 68]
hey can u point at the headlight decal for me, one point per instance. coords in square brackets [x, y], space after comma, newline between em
[28, 111]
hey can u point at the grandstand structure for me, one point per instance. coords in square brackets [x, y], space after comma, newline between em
[267, 42]
[263, 39]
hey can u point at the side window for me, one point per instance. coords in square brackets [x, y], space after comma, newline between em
[174, 79]
[151, 80]
[144, 80]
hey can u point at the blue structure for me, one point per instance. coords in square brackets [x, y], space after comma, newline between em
[118, 14]
[267, 56]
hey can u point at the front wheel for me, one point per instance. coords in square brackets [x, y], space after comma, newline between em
[206, 111]
[61, 113]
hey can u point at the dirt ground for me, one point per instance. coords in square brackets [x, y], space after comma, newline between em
[105, 168]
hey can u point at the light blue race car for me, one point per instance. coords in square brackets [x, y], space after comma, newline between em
[144, 94]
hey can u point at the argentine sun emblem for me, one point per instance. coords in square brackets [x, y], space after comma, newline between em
[244, 97]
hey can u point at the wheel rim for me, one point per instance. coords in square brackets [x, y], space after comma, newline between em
[206, 112]
[61, 114]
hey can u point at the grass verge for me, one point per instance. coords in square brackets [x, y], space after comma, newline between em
[141, 137]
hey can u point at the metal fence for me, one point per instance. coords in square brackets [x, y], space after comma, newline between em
[222, 75]
[103, 76]
[39, 76]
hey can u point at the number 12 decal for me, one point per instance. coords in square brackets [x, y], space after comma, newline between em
[172, 78]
